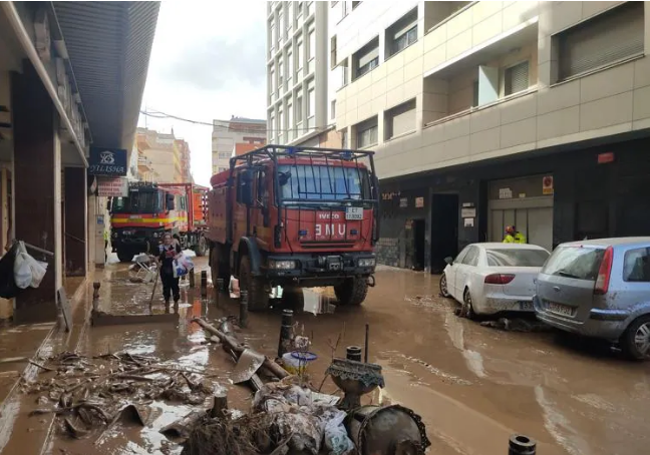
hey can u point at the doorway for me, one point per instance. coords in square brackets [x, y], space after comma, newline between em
[415, 244]
[444, 230]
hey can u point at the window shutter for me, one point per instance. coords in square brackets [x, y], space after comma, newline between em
[610, 37]
[516, 79]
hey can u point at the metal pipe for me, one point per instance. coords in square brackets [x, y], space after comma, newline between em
[353, 353]
[243, 309]
[285, 332]
[191, 278]
[204, 283]
[521, 445]
[365, 354]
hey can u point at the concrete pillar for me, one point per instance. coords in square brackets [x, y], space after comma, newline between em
[76, 216]
[37, 189]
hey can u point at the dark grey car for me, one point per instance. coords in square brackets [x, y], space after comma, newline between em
[599, 288]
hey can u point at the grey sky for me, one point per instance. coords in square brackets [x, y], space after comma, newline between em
[207, 62]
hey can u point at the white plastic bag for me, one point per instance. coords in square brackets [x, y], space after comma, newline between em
[22, 269]
[336, 437]
[38, 272]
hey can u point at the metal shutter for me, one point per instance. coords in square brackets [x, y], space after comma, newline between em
[516, 78]
[609, 37]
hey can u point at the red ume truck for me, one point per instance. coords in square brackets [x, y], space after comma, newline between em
[295, 217]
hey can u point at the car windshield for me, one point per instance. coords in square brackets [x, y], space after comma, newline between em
[137, 202]
[577, 262]
[317, 183]
[508, 257]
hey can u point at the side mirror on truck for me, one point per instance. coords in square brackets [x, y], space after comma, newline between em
[170, 202]
[247, 187]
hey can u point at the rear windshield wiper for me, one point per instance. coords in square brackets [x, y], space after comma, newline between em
[566, 274]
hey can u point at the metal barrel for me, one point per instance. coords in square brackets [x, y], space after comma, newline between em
[353, 353]
[285, 332]
[243, 309]
[521, 445]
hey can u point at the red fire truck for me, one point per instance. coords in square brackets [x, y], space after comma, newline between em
[139, 221]
[295, 217]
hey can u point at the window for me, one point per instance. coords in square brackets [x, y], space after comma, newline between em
[344, 9]
[224, 155]
[333, 52]
[272, 83]
[281, 28]
[300, 53]
[471, 258]
[345, 72]
[402, 33]
[333, 4]
[505, 257]
[312, 49]
[280, 74]
[289, 120]
[366, 58]
[289, 67]
[367, 133]
[355, 4]
[272, 37]
[516, 78]
[311, 100]
[610, 37]
[310, 8]
[299, 8]
[299, 106]
[636, 265]
[280, 121]
[344, 138]
[400, 119]
[580, 263]
[333, 109]
[475, 93]
[461, 256]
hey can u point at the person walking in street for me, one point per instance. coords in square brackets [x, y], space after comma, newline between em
[169, 251]
[514, 236]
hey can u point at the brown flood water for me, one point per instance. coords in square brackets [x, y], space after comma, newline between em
[472, 385]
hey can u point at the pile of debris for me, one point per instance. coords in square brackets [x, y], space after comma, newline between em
[91, 394]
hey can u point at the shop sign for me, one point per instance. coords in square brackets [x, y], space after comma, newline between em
[107, 161]
[505, 193]
[113, 187]
[403, 202]
[547, 185]
[389, 196]
[468, 213]
[419, 202]
[468, 222]
[604, 158]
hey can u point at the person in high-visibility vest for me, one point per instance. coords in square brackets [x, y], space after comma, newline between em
[514, 236]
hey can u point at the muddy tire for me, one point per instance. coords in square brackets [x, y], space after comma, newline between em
[125, 255]
[352, 291]
[202, 247]
[635, 341]
[258, 295]
[466, 308]
[444, 290]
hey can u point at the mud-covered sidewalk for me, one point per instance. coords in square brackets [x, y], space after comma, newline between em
[473, 386]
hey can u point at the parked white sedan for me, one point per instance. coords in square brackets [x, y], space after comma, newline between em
[487, 278]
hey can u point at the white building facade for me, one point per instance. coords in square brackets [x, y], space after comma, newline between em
[298, 105]
[227, 133]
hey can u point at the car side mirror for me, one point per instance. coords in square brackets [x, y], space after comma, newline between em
[170, 202]
[247, 188]
[449, 260]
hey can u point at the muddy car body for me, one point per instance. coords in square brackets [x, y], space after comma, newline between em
[599, 288]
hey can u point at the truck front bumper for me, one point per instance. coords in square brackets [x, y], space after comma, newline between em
[328, 268]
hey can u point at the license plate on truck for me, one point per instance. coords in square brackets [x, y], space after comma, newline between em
[354, 213]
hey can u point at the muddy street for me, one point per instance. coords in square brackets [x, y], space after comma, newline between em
[473, 386]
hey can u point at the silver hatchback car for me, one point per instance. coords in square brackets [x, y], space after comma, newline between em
[599, 288]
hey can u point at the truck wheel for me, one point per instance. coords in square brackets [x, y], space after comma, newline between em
[125, 254]
[352, 291]
[202, 247]
[635, 341]
[258, 295]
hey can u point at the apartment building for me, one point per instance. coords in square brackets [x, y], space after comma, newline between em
[227, 133]
[487, 114]
[297, 71]
[162, 156]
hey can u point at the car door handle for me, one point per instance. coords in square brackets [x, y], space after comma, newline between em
[556, 288]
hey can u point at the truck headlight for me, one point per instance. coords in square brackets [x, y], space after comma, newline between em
[282, 265]
[367, 262]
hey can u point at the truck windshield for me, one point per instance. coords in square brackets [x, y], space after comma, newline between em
[323, 183]
[138, 202]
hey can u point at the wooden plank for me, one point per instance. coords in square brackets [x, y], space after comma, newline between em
[103, 319]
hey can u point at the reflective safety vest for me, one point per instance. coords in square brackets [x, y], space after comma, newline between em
[517, 238]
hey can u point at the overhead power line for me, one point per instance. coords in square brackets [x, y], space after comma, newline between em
[163, 115]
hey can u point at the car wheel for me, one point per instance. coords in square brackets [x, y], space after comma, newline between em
[466, 308]
[635, 342]
[444, 291]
